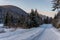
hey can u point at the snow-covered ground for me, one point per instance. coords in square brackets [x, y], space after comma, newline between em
[44, 32]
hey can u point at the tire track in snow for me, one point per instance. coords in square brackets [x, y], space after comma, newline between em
[38, 35]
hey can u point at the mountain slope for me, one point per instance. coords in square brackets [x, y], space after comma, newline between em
[11, 10]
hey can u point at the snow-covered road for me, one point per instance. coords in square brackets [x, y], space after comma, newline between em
[44, 32]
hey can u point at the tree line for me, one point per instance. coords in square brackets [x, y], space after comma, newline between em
[32, 20]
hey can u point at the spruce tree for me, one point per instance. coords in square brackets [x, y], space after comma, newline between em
[34, 18]
[6, 19]
[55, 16]
[56, 4]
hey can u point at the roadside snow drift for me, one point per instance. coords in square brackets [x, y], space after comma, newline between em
[44, 32]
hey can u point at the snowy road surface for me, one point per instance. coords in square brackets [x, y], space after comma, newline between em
[44, 32]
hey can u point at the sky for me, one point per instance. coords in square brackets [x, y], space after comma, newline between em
[27, 5]
[43, 6]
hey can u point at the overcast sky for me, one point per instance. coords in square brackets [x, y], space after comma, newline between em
[43, 5]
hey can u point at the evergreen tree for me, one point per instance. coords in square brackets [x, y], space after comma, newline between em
[34, 18]
[55, 16]
[38, 19]
[50, 20]
[46, 21]
[56, 4]
[6, 19]
[11, 20]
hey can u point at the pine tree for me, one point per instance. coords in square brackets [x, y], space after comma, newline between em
[34, 17]
[11, 20]
[55, 16]
[6, 19]
[37, 18]
[50, 20]
[46, 21]
[56, 4]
